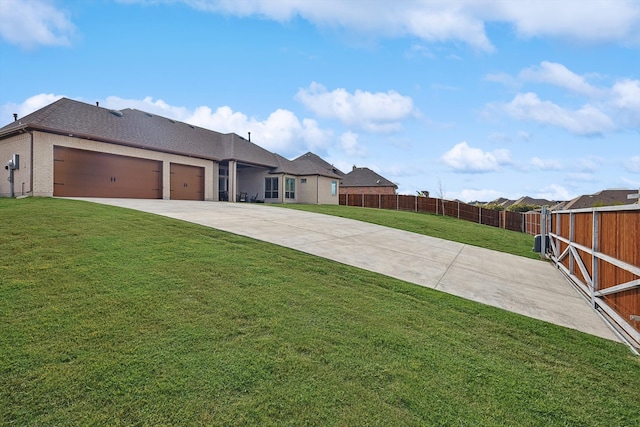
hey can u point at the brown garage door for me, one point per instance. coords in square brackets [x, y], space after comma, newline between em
[82, 173]
[187, 182]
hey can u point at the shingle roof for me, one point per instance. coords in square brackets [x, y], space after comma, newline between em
[526, 200]
[312, 164]
[365, 177]
[141, 129]
[601, 198]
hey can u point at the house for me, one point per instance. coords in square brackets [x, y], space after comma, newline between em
[601, 198]
[366, 181]
[74, 149]
[524, 200]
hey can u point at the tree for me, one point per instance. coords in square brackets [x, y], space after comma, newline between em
[522, 207]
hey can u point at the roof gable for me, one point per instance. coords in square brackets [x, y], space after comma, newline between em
[312, 164]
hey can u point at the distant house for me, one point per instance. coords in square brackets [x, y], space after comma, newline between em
[601, 198]
[525, 200]
[365, 181]
[74, 149]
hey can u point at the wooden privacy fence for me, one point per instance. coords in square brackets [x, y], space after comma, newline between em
[516, 221]
[599, 250]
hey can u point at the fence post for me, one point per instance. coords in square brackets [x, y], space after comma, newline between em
[572, 224]
[436, 206]
[458, 209]
[594, 260]
[416, 200]
[379, 201]
[543, 233]
[480, 215]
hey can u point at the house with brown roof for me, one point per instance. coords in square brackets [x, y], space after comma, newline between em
[601, 198]
[74, 149]
[365, 181]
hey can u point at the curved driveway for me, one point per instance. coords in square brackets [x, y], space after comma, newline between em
[521, 285]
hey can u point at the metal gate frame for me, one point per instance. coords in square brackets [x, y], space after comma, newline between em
[591, 287]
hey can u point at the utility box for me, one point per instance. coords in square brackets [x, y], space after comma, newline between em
[537, 243]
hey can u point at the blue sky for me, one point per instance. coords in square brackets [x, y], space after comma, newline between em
[472, 99]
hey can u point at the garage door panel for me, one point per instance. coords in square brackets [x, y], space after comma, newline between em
[83, 173]
[187, 182]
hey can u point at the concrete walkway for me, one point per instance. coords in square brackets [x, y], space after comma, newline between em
[525, 286]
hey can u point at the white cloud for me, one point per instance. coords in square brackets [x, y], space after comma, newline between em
[633, 164]
[559, 75]
[373, 112]
[450, 20]
[29, 23]
[463, 158]
[626, 98]
[627, 94]
[588, 165]
[281, 132]
[608, 108]
[349, 144]
[597, 21]
[546, 164]
[554, 192]
[588, 120]
[30, 105]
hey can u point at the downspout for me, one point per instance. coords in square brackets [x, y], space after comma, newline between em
[31, 164]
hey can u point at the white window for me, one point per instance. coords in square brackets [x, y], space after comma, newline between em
[334, 188]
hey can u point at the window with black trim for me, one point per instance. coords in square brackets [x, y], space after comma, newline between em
[271, 188]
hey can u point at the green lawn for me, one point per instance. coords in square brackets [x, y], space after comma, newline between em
[114, 317]
[443, 227]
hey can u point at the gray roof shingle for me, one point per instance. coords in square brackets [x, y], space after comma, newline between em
[365, 177]
[144, 130]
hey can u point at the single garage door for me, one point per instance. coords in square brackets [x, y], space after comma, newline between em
[82, 173]
[187, 182]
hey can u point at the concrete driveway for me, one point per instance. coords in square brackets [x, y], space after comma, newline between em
[525, 286]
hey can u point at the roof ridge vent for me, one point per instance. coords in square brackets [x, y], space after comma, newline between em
[116, 113]
[148, 114]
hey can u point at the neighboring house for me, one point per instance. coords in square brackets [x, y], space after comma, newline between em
[602, 198]
[70, 148]
[366, 181]
[525, 200]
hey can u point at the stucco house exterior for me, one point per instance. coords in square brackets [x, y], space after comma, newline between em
[74, 149]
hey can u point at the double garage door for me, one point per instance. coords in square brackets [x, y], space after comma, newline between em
[82, 173]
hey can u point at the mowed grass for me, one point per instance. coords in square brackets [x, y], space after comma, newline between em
[115, 317]
[443, 227]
